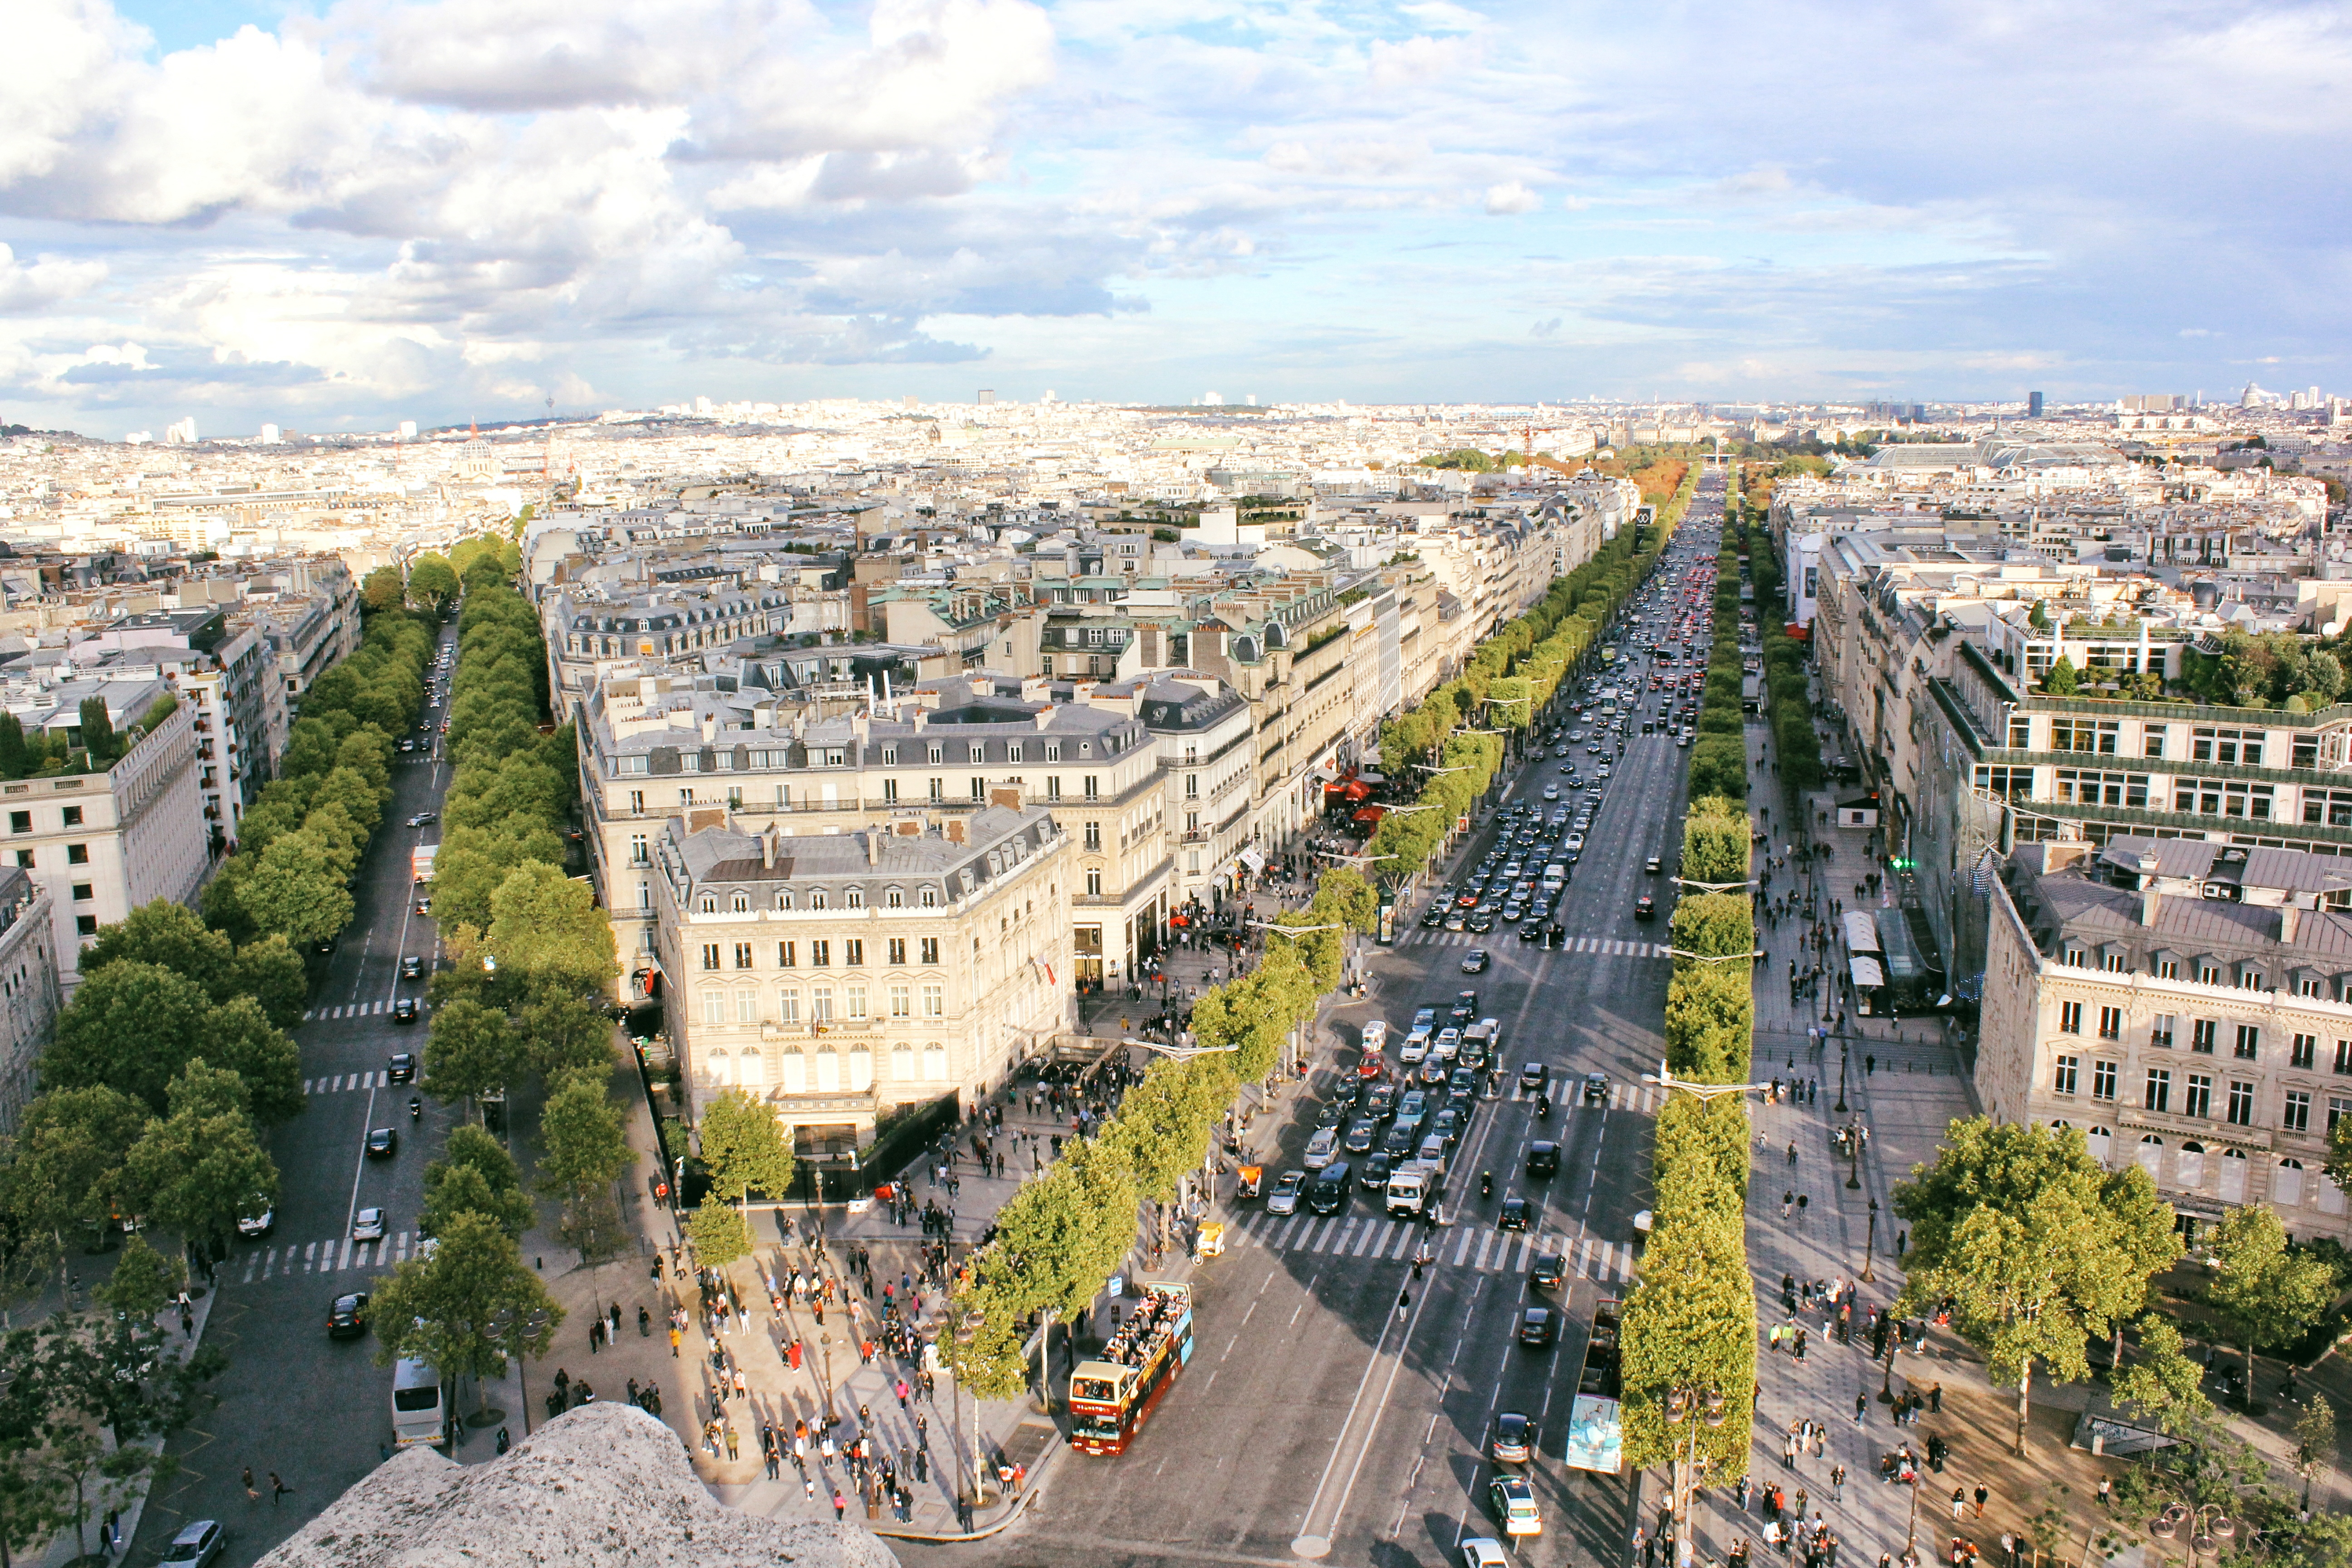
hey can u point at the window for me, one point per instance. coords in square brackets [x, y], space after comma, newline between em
[852, 951]
[935, 1001]
[2070, 1018]
[853, 1001]
[77, 853]
[1093, 835]
[931, 899]
[901, 1003]
[2201, 1033]
[85, 925]
[2087, 787]
[2294, 1116]
[2084, 735]
[20, 822]
[2113, 963]
[2304, 1053]
[894, 898]
[747, 1006]
[2161, 1033]
[788, 956]
[980, 753]
[2338, 1108]
[710, 956]
[2151, 740]
[939, 790]
[937, 755]
[2332, 807]
[2102, 1080]
[930, 950]
[1091, 787]
[1191, 787]
[2021, 733]
[742, 955]
[2242, 1103]
[2344, 1056]
[710, 905]
[1053, 786]
[785, 899]
[2250, 1043]
[1093, 882]
[979, 788]
[82, 893]
[854, 898]
[637, 803]
[788, 1005]
[714, 1007]
[820, 954]
[2198, 1100]
[2111, 1023]
[2249, 980]
[639, 855]
[896, 949]
[2168, 969]
[1013, 751]
[73, 816]
[2159, 1089]
[889, 756]
[817, 900]
[2063, 1080]
[889, 792]
[2241, 746]
[820, 1004]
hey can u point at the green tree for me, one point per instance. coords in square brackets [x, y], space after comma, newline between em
[2315, 1441]
[16, 757]
[548, 927]
[470, 1145]
[2040, 1247]
[198, 1169]
[239, 1036]
[131, 1026]
[383, 589]
[720, 1235]
[744, 1148]
[2266, 1294]
[270, 972]
[586, 1145]
[1690, 1323]
[431, 583]
[559, 1033]
[470, 1051]
[453, 1190]
[987, 1360]
[142, 1281]
[1063, 1234]
[2164, 1386]
[296, 889]
[2061, 681]
[97, 732]
[162, 932]
[63, 1174]
[467, 1308]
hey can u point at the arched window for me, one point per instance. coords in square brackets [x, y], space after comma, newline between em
[741, 903]
[902, 1063]
[785, 899]
[2151, 1155]
[720, 1069]
[751, 1070]
[2191, 1164]
[2101, 1143]
[935, 1063]
[2060, 1126]
[2286, 1184]
[2233, 1175]
[856, 897]
[710, 904]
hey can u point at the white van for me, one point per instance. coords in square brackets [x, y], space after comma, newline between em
[1376, 1037]
[416, 1416]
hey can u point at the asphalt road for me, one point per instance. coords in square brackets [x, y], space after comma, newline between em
[1315, 1422]
[316, 1410]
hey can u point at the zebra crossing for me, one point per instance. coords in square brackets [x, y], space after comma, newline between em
[1476, 1248]
[1638, 1098]
[344, 1083]
[1601, 946]
[355, 1010]
[328, 1257]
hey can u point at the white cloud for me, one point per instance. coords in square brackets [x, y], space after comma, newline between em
[1511, 196]
[49, 280]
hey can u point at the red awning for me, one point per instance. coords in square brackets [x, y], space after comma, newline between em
[1370, 812]
[1356, 789]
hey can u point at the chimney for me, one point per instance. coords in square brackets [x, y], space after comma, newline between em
[954, 826]
[1005, 795]
[874, 847]
[2290, 917]
[768, 847]
[2150, 901]
[709, 727]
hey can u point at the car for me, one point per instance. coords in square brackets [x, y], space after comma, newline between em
[1433, 1071]
[1434, 916]
[1653, 865]
[1539, 1326]
[407, 743]
[1514, 1442]
[1645, 908]
[1475, 962]
[402, 1069]
[1532, 930]
[1543, 1159]
[1374, 1170]
[1603, 770]
[1330, 1113]
[1414, 1106]
[1555, 935]
[1323, 1148]
[1551, 791]
[256, 1223]
[1548, 1273]
[324, 944]
[1513, 912]
[1573, 843]
[368, 1225]
[1515, 1214]
[1284, 1199]
[1485, 1552]
[383, 1143]
[1381, 1100]
[1532, 1077]
[196, 1544]
[1447, 1124]
[1456, 918]
[1402, 1134]
[1362, 1133]
[421, 817]
[1481, 920]
[347, 1316]
[1596, 1089]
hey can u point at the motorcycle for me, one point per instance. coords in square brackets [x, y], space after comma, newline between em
[1543, 1108]
[416, 1108]
[1486, 1184]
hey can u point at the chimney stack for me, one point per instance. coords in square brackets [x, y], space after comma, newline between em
[2290, 918]
[768, 847]
[2150, 901]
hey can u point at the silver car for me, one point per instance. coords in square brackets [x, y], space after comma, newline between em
[368, 1225]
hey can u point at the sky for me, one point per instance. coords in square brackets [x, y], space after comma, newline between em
[340, 216]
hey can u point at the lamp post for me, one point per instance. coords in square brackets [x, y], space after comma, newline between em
[825, 1346]
[2207, 1525]
[1854, 1154]
[1842, 1053]
[1682, 1405]
[1870, 1251]
[513, 1334]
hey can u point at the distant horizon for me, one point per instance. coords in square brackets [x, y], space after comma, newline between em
[308, 212]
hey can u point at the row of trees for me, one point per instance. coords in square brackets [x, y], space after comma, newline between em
[1718, 761]
[1787, 705]
[1690, 1324]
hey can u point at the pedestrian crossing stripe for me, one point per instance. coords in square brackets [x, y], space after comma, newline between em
[1598, 946]
[1639, 1098]
[326, 1258]
[355, 1010]
[338, 1084]
[1478, 1248]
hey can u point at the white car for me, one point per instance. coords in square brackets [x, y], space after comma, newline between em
[368, 1225]
[1485, 1552]
[1284, 1199]
[1321, 1150]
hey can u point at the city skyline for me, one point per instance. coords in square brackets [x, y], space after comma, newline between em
[338, 217]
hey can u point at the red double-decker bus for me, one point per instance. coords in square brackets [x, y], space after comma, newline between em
[1111, 1398]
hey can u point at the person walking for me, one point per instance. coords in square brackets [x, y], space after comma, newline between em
[1959, 1502]
[252, 1492]
[278, 1488]
[1860, 1404]
[840, 1505]
[1982, 1495]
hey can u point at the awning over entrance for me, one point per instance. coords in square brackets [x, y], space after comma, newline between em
[1861, 931]
[1866, 973]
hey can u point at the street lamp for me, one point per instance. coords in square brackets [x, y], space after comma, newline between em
[1869, 1255]
[1714, 957]
[1682, 1405]
[2207, 1526]
[1178, 1053]
[1854, 1152]
[512, 1333]
[1665, 1076]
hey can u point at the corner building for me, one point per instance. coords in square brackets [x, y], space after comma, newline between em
[844, 976]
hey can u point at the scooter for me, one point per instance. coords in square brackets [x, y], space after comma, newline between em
[1486, 1184]
[1543, 1108]
[416, 1108]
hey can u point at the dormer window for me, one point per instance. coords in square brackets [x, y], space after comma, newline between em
[894, 898]
[817, 899]
[931, 898]
[785, 899]
[856, 897]
[741, 903]
[710, 904]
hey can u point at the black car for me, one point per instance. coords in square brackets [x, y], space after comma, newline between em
[1548, 1273]
[412, 967]
[1434, 916]
[1645, 908]
[1539, 1326]
[1466, 1005]
[1596, 1089]
[382, 1144]
[402, 1068]
[347, 1319]
[1531, 1078]
[1543, 1159]
[1372, 1171]
[404, 1010]
[1381, 1100]
[1515, 1214]
[1531, 931]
